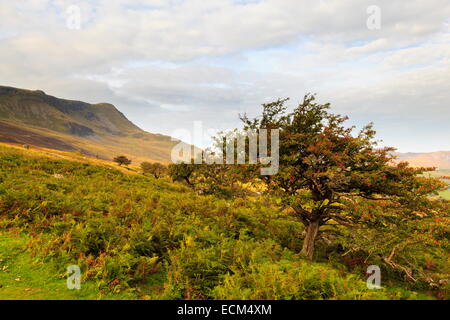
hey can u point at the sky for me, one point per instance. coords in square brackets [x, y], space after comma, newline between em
[169, 63]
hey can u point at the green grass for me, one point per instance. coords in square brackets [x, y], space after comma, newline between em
[441, 173]
[445, 194]
[136, 237]
[25, 277]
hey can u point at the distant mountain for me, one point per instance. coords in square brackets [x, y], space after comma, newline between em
[439, 159]
[35, 118]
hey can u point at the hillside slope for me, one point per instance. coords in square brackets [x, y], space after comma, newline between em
[439, 159]
[35, 118]
[137, 237]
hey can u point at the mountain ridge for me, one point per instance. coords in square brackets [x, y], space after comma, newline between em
[22, 104]
[100, 129]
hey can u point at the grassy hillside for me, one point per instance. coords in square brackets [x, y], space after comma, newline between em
[24, 277]
[39, 152]
[142, 238]
[35, 118]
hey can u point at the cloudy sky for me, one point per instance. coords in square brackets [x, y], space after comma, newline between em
[168, 63]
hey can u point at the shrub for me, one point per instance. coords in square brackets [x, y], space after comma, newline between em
[122, 160]
[155, 169]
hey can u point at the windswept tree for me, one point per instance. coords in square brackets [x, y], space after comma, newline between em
[324, 166]
[155, 169]
[182, 172]
[122, 160]
[212, 175]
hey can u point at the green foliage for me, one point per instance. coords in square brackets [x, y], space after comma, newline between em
[221, 180]
[156, 169]
[163, 240]
[181, 172]
[297, 280]
[323, 164]
[246, 269]
[412, 248]
[21, 277]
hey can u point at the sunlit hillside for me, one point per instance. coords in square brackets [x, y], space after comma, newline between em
[97, 130]
[138, 237]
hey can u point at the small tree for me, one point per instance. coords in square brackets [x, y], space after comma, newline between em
[156, 169]
[182, 172]
[122, 160]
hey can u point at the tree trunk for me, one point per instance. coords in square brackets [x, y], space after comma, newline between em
[188, 181]
[310, 239]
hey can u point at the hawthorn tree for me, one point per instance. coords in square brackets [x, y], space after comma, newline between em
[182, 172]
[122, 160]
[324, 165]
[156, 169]
[212, 174]
[222, 180]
